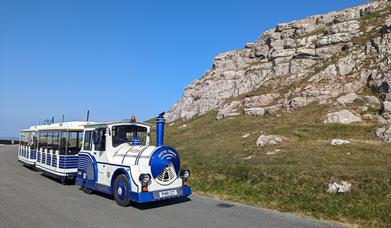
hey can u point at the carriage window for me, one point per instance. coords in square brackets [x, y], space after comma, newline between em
[63, 142]
[55, 140]
[42, 140]
[125, 133]
[50, 140]
[100, 134]
[87, 140]
[33, 140]
[28, 138]
[74, 142]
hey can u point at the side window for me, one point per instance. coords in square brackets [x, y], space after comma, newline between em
[100, 139]
[87, 140]
[74, 138]
[42, 140]
[63, 142]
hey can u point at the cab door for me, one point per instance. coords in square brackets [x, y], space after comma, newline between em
[99, 152]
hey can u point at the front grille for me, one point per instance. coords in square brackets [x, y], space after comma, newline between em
[167, 176]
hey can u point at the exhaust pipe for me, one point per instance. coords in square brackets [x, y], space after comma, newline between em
[160, 121]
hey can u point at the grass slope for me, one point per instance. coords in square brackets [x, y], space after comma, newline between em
[295, 179]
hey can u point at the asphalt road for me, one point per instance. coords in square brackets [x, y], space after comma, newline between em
[29, 199]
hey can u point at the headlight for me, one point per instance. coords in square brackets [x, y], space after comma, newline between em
[184, 174]
[144, 178]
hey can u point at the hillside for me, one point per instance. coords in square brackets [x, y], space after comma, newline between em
[293, 175]
[257, 128]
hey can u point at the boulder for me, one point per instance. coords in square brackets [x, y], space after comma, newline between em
[269, 139]
[371, 100]
[384, 133]
[347, 99]
[254, 111]
[342, 117]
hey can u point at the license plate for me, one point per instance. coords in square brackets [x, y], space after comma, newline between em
[168, 193]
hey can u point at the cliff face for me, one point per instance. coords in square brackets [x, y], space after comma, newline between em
[316, 59]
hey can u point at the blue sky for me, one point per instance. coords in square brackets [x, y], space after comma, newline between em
[120, 58]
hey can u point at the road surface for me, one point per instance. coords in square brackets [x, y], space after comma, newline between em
[29, 199]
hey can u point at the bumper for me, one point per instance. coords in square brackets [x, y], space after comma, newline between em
[145, 197]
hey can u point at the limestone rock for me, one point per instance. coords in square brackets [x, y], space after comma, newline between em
[339, 142]
[229, 110]
[260, 101]
[342, 117]
[372, 100]
[269, 139]
[255, 111]
[336, 53]
[386, 107]
[384, 133]
[339, 187]
[347, 99]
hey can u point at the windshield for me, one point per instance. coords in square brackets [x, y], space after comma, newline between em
[125, 133]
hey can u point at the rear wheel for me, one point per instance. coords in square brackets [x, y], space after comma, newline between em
[120, 190]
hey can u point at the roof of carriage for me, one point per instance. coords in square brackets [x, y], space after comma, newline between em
[80, 125]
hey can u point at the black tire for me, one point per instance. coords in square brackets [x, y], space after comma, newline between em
[86, 190]
[120, 190]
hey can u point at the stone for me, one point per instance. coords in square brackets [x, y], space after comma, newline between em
[339, 142]
[347, 99]
[246, 135]
[183, 126]
[385, 107]
[342, 117]
[276, 151]
[371, 100]
[339, 187]
[384, 133]
[333, 39]
[269, 139]
[297, 102]
[260, 101]
[228, 110]
[255, 111]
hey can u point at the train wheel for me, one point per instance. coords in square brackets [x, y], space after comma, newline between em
[120, 190]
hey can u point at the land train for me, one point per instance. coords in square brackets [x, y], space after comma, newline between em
[115, 158]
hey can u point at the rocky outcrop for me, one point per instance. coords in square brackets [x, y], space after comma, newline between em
[316, 59]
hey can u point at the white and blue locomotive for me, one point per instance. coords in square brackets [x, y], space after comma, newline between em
[110, 157]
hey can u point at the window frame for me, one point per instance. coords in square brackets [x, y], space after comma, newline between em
[89, 132]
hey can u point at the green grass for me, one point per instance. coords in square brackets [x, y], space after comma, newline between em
[295, 179]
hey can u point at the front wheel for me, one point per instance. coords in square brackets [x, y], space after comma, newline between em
[121, 190]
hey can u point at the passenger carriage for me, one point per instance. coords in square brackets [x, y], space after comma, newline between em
[53, 148]
[27, 148]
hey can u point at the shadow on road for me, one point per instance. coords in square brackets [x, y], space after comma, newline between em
[152, 205]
